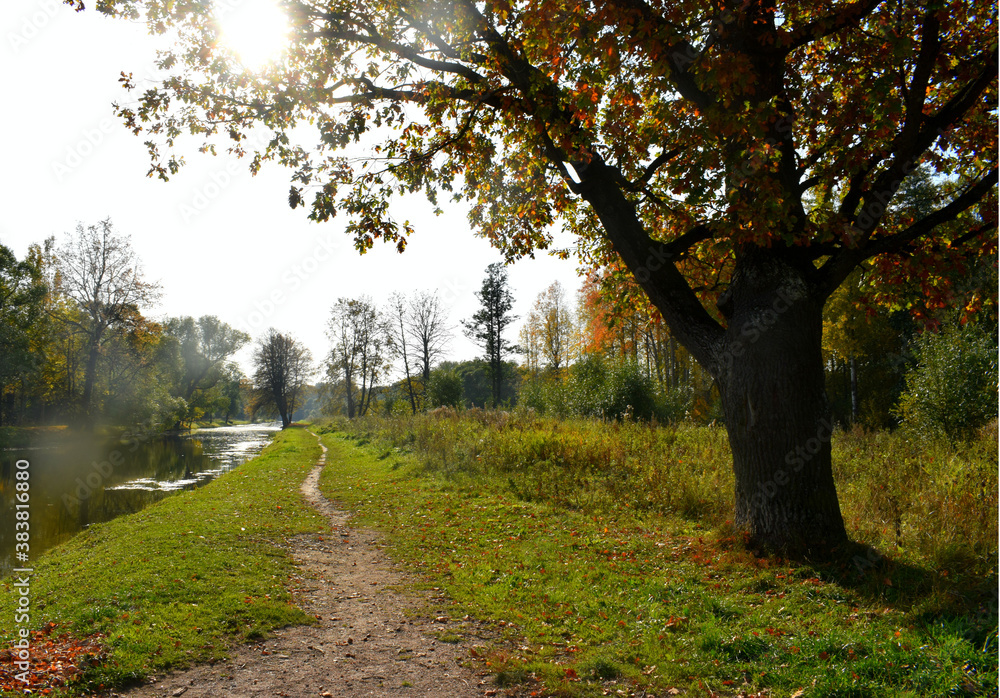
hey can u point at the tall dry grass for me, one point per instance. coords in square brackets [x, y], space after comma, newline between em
[932, 500]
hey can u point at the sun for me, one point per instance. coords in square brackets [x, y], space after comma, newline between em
[255, 31]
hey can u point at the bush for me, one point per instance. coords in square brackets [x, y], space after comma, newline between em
[445, 388]
[952, 391]
[593, 387]
[628, 394]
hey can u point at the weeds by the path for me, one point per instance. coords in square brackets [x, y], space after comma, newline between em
[604, 590]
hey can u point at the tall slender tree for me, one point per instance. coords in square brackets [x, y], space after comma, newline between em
[487, 326]
[398, 311]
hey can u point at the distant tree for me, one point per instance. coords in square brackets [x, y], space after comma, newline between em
[556, 326]
[100, 272]
[281, 368]
[205, 344]
[486, 327]
[865, 347]
[428, 328]
[231, 387]
[477, 382]
[530, 341]
[22, 305]
[399, 317]
[361, 349]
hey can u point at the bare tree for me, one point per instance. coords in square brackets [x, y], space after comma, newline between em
[361, 348]
[399, 320]
[428, 328]
[281, 368]
[99, 270]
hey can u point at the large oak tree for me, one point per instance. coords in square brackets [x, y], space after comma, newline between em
[740, 159]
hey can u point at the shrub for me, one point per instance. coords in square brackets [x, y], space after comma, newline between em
[594, 387]
[445, 388]
[952, 391]
[628, 394]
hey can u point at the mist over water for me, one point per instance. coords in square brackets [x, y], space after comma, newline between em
[76, 480]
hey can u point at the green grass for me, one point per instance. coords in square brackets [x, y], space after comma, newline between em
[607, 576]
[184, 579]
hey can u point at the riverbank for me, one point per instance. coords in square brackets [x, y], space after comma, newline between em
[179, 582]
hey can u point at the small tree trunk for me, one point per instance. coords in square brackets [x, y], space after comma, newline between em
[349, 388]
[854, 391]
[778, 416]
[89, 377]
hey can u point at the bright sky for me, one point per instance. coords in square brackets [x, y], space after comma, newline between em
[219, 241]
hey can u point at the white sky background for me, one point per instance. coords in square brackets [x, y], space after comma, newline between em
[219, 241]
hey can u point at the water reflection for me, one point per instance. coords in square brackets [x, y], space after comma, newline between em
[76, 481]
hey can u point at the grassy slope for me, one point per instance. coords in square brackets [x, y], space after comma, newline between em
[181, 580]
[633, 599]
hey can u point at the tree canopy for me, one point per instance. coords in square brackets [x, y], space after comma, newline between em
[715, 126]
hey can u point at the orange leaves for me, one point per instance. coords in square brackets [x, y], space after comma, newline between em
[53, 661]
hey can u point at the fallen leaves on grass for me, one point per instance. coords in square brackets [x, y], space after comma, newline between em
[53, 661]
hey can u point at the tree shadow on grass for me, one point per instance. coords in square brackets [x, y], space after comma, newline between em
[964, 602]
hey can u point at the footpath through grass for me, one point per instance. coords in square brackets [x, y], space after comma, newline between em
[176, 583]
[599, 598]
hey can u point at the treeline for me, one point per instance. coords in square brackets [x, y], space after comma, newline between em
[76, 348]
[609, 354]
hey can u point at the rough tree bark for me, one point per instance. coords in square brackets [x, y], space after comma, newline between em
[777, 414]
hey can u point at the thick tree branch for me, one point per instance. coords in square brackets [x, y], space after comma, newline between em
[676, 248]
[971, 196]
[907, 147]
[652, 263]
[840, 265]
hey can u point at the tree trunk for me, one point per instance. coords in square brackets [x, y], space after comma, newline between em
[854, 391]
[349, 388]
[89, 378]
[777, 413]
[282, 405]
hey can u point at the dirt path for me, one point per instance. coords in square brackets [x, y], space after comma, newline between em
[368, 641]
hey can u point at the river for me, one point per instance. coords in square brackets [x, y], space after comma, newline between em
[75, 481]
